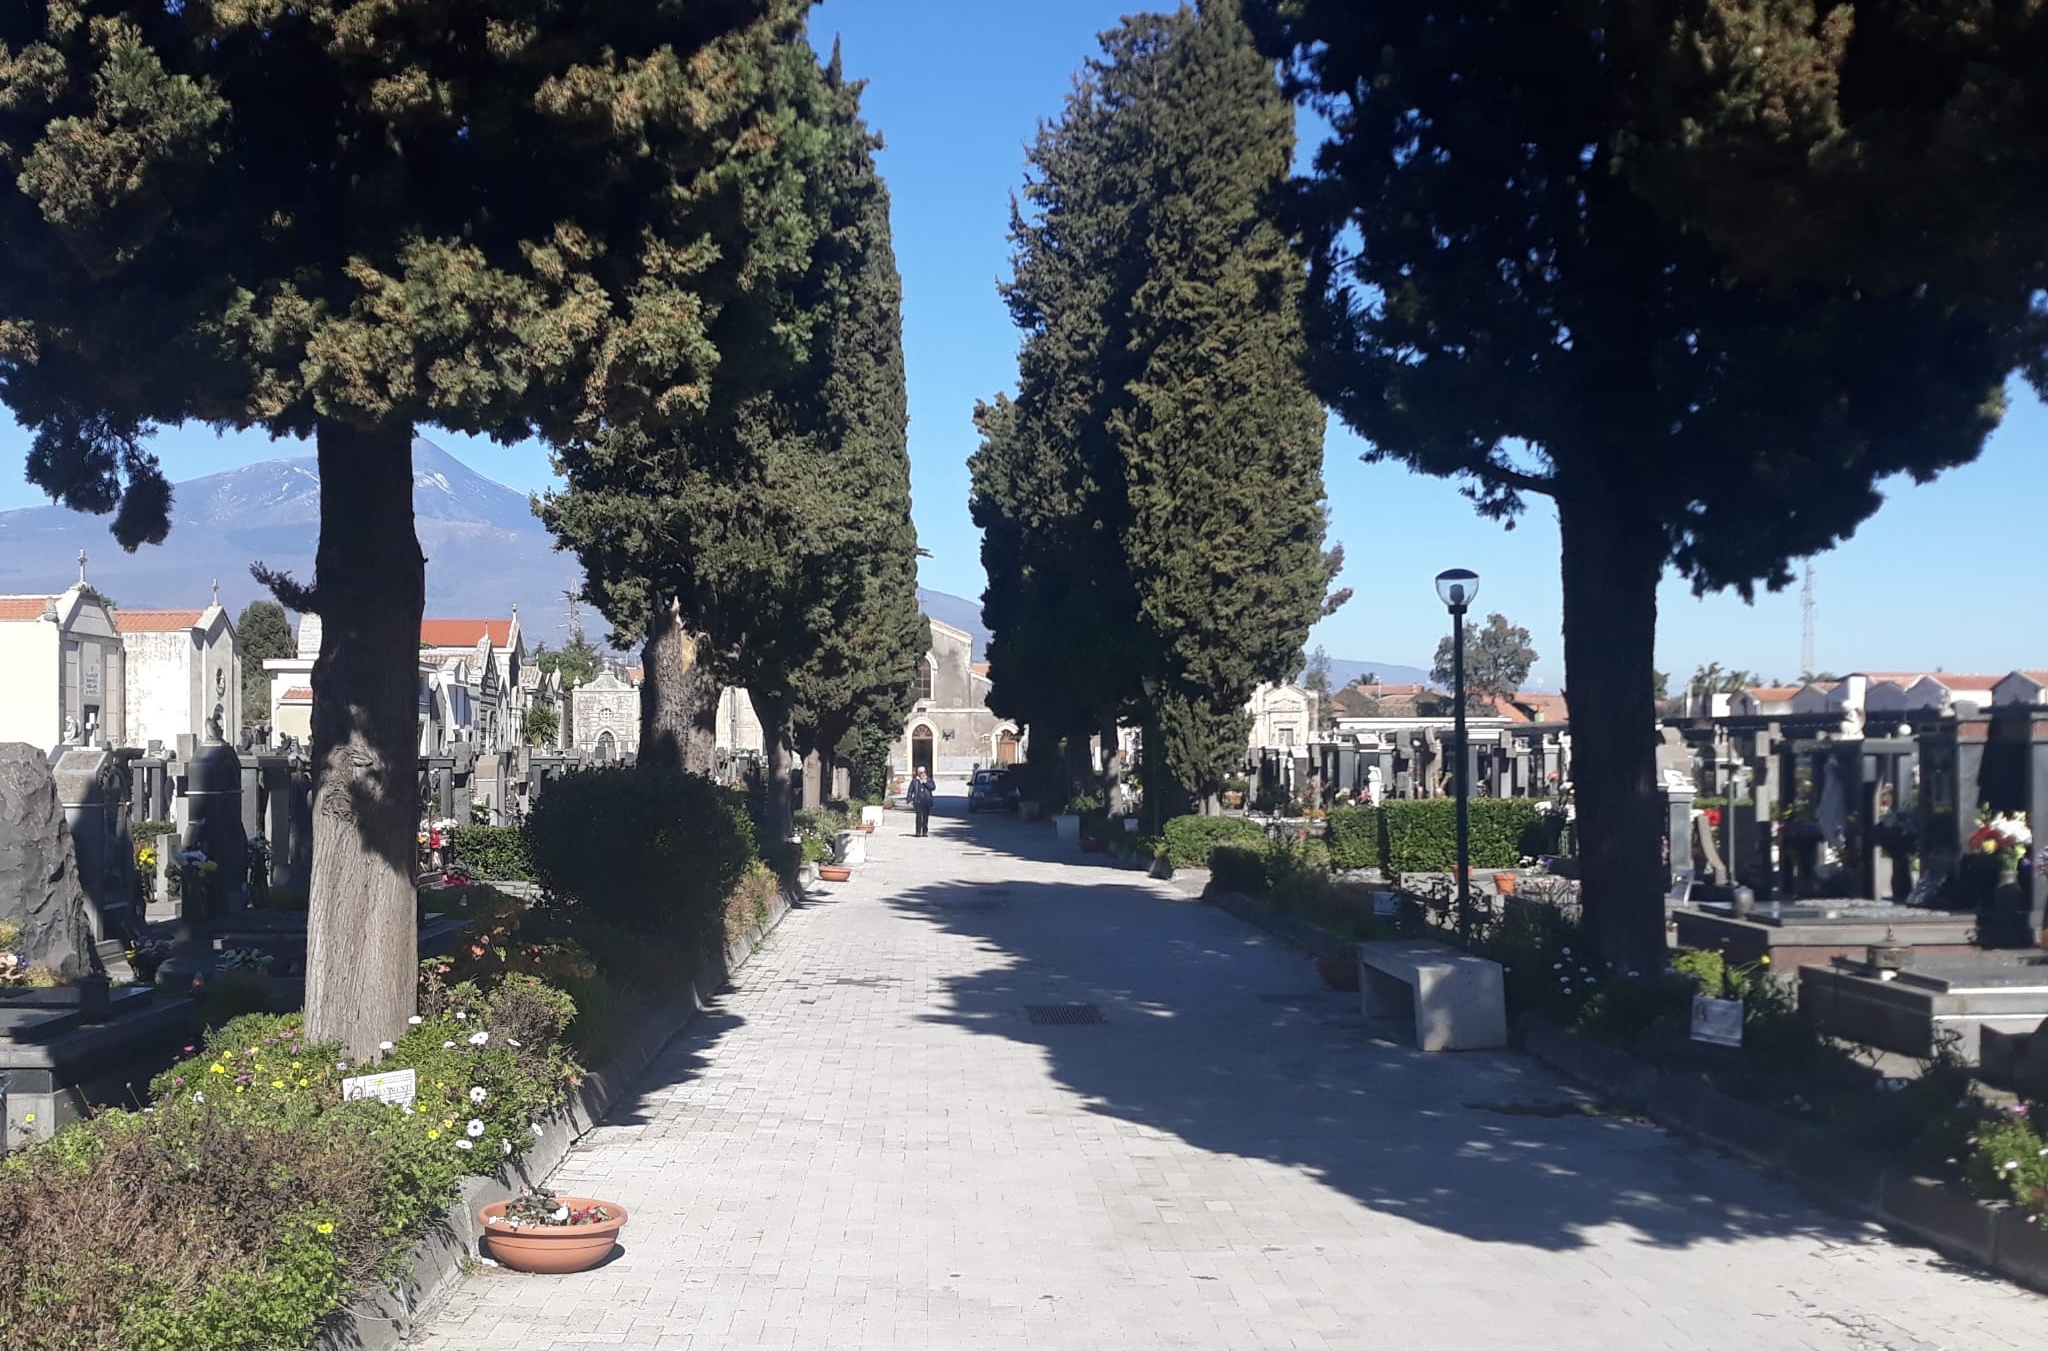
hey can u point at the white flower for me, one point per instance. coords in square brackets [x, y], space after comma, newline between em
[2010, 1164]
[476, 1128]
[461, 1017]
[534, 1126]
[383, 1045]
[415, 1020]
[446, 1044]
[513, 1042]
[199, 1097]
[479, 1038]
[507, 1144]
[561, 1215]
[477, 1095]
[464, 1144]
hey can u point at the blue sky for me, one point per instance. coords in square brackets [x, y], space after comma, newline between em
[956, 90]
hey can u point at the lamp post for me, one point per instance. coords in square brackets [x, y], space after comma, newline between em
[1457, 588]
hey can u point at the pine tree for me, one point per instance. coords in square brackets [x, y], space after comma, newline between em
[343, 219]
[262, 631]
[1497, 660]
[1495, 303]
[1151, 501]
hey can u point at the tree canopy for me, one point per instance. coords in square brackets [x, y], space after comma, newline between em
[772, 536]
[1495, 303]
[1497, 659]
[344, 218]
[262, 631]
[1152, 499]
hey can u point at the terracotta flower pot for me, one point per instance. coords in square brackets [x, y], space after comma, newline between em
[551, 1249]
[834, 872]
[1339, 973]
[868, 828]
[1504, 883]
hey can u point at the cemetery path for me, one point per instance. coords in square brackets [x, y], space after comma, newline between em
[870, 1144]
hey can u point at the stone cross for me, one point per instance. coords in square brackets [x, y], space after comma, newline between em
[81, 567]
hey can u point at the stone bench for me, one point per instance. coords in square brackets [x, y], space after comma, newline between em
[1455, 998]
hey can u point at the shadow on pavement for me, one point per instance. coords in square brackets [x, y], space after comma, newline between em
[1216, 1034]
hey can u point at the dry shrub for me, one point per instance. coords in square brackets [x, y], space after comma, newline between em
[187, 1228]
[749, 902]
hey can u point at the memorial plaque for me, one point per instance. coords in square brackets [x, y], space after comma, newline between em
[1718, 1022]
[397, 1087]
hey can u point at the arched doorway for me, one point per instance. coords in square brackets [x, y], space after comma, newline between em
[1006, 746]
[921, 749]
[606, 748]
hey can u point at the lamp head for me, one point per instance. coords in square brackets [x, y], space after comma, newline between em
[1458, 588]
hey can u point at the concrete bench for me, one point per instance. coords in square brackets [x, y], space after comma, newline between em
[1455, 998]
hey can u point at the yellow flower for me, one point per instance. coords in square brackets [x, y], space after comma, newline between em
[324, 1228]
[295, 1064]
[220, 1069]
[433, 1135]
[277, 1083]
[302, 1083]
[29, 1120]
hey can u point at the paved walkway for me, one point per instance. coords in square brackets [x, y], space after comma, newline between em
[870, 1145]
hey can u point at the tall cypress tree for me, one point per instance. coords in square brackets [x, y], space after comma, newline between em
[1495, 303]
[775, 531]
[342, 219]
[862, 671]
[1152, 500]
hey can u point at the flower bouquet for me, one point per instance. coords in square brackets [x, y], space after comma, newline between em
[2005, 837]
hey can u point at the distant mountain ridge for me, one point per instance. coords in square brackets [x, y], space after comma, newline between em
[485, 550]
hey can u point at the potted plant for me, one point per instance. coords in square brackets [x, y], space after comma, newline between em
[834, 872]
[1504, 883]
[551, 1235]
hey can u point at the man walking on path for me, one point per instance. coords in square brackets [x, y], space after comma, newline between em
[920, 794]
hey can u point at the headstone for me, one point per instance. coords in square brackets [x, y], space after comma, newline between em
[40, 893]
[92, 790]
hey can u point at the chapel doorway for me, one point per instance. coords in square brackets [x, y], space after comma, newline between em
[921, 750]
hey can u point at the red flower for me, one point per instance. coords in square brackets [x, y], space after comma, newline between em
[1713, 815]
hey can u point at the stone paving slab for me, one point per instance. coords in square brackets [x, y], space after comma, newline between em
[869, 1144]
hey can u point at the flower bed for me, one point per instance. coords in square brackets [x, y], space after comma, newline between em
[241, 1209]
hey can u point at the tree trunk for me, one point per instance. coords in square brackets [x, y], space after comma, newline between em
[781, 762]
[370, 586]
[678, 697]
[1613, 556]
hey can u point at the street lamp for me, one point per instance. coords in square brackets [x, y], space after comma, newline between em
[1457, 588]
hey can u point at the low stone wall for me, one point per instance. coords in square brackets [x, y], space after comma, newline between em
[388, 1318]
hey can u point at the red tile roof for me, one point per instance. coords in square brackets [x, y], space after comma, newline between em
[1772, 694]
[298, 694]
[980, 668]
[465, 632]
[156, 621]
[14, 609]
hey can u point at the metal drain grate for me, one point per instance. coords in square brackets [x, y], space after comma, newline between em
[1063, 1014]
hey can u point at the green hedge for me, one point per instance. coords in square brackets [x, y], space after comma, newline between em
[1354, 837]
[1420, 835]
[654, 851]
[1189, 839]
[1241, 868]
[490, 853]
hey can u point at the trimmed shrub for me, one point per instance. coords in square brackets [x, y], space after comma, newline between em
[654, 851]
[1354, 837]
[490, 853]
[1422, 833]
[1236, 867]
[1189, 839]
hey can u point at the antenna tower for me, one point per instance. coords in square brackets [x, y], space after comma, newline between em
[1808, 614]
